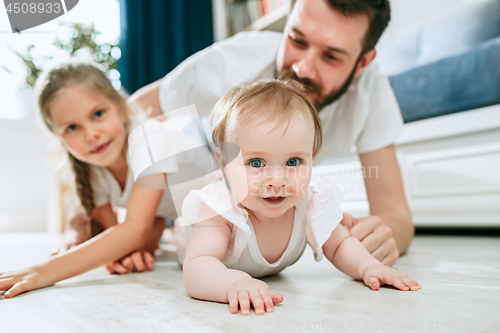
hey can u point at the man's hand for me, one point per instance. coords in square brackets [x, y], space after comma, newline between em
[142, 260]
[138, 261]
[376, 237]
[148, 99]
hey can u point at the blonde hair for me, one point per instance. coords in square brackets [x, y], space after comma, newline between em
[269, 100]
[51, 84]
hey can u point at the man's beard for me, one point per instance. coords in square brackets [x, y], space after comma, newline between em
[313, 87]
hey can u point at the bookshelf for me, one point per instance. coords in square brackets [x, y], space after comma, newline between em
[244, 15]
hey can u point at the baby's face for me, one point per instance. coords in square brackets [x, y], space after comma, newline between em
[273, 171]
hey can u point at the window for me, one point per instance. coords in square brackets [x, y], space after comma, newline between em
[15, 94]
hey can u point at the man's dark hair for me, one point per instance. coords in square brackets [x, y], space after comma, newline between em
[378, 11]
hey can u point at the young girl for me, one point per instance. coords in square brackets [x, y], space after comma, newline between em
[258, 220]
[92, 120]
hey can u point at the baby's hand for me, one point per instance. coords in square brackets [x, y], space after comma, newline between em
[249, 290]
[377, 275]
[138, 261]
[20, 281]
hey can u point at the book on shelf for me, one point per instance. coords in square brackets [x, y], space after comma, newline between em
[243, 13]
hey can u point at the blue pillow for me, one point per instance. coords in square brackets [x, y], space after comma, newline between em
[465, 81]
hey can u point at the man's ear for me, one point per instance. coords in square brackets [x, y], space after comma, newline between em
[365, 61]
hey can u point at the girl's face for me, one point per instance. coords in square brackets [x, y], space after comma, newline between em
[89, 125]
[273, 171]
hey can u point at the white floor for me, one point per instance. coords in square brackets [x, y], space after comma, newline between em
[459, 275]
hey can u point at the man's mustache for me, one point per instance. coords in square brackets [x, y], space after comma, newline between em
[310, 86]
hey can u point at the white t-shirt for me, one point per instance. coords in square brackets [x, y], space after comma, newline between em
[367, 116]
[156, 148]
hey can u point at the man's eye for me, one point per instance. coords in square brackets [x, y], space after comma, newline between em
[256, 163]
[296, 41]
[98, 114]
[71, 128]
[329, 56]
[293, 162]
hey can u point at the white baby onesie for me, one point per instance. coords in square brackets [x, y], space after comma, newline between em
[316, 216]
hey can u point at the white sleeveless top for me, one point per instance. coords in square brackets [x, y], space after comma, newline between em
[316, 216]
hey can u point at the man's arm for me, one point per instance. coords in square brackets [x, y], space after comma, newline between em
[148, 98]
[384, 188]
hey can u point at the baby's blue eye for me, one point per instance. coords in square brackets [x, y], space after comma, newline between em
[71, 128]
[293, 162]
[256, 163]
[98, 114]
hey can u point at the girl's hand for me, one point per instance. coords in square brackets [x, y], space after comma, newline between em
[138, 261]
[20, 281]
[376, 275]
[249, 290]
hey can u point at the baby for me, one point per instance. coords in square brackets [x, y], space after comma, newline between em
[259, 218]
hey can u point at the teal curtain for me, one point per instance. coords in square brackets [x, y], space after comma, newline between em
[157, 35]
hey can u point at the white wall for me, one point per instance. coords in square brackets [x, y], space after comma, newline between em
[406, 13]
[28, 197]
[219, 20]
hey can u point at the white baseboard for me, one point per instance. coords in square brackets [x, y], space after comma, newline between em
[35, 221]
[457, 221]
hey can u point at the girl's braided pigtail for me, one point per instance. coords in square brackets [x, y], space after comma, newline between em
[84, 191]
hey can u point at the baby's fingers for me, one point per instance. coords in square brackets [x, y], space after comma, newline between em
[268, 300]
[277, 298]
[403, 282]
[372, 282]
[347, 221]
[396, 282]
[412, 284]
[244, 303]
[257, 302]
[233, 302]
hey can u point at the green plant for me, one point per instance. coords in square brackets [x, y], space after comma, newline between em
[82, 42]
[29, 59]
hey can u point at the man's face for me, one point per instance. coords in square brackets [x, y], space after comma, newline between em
[322, 47]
